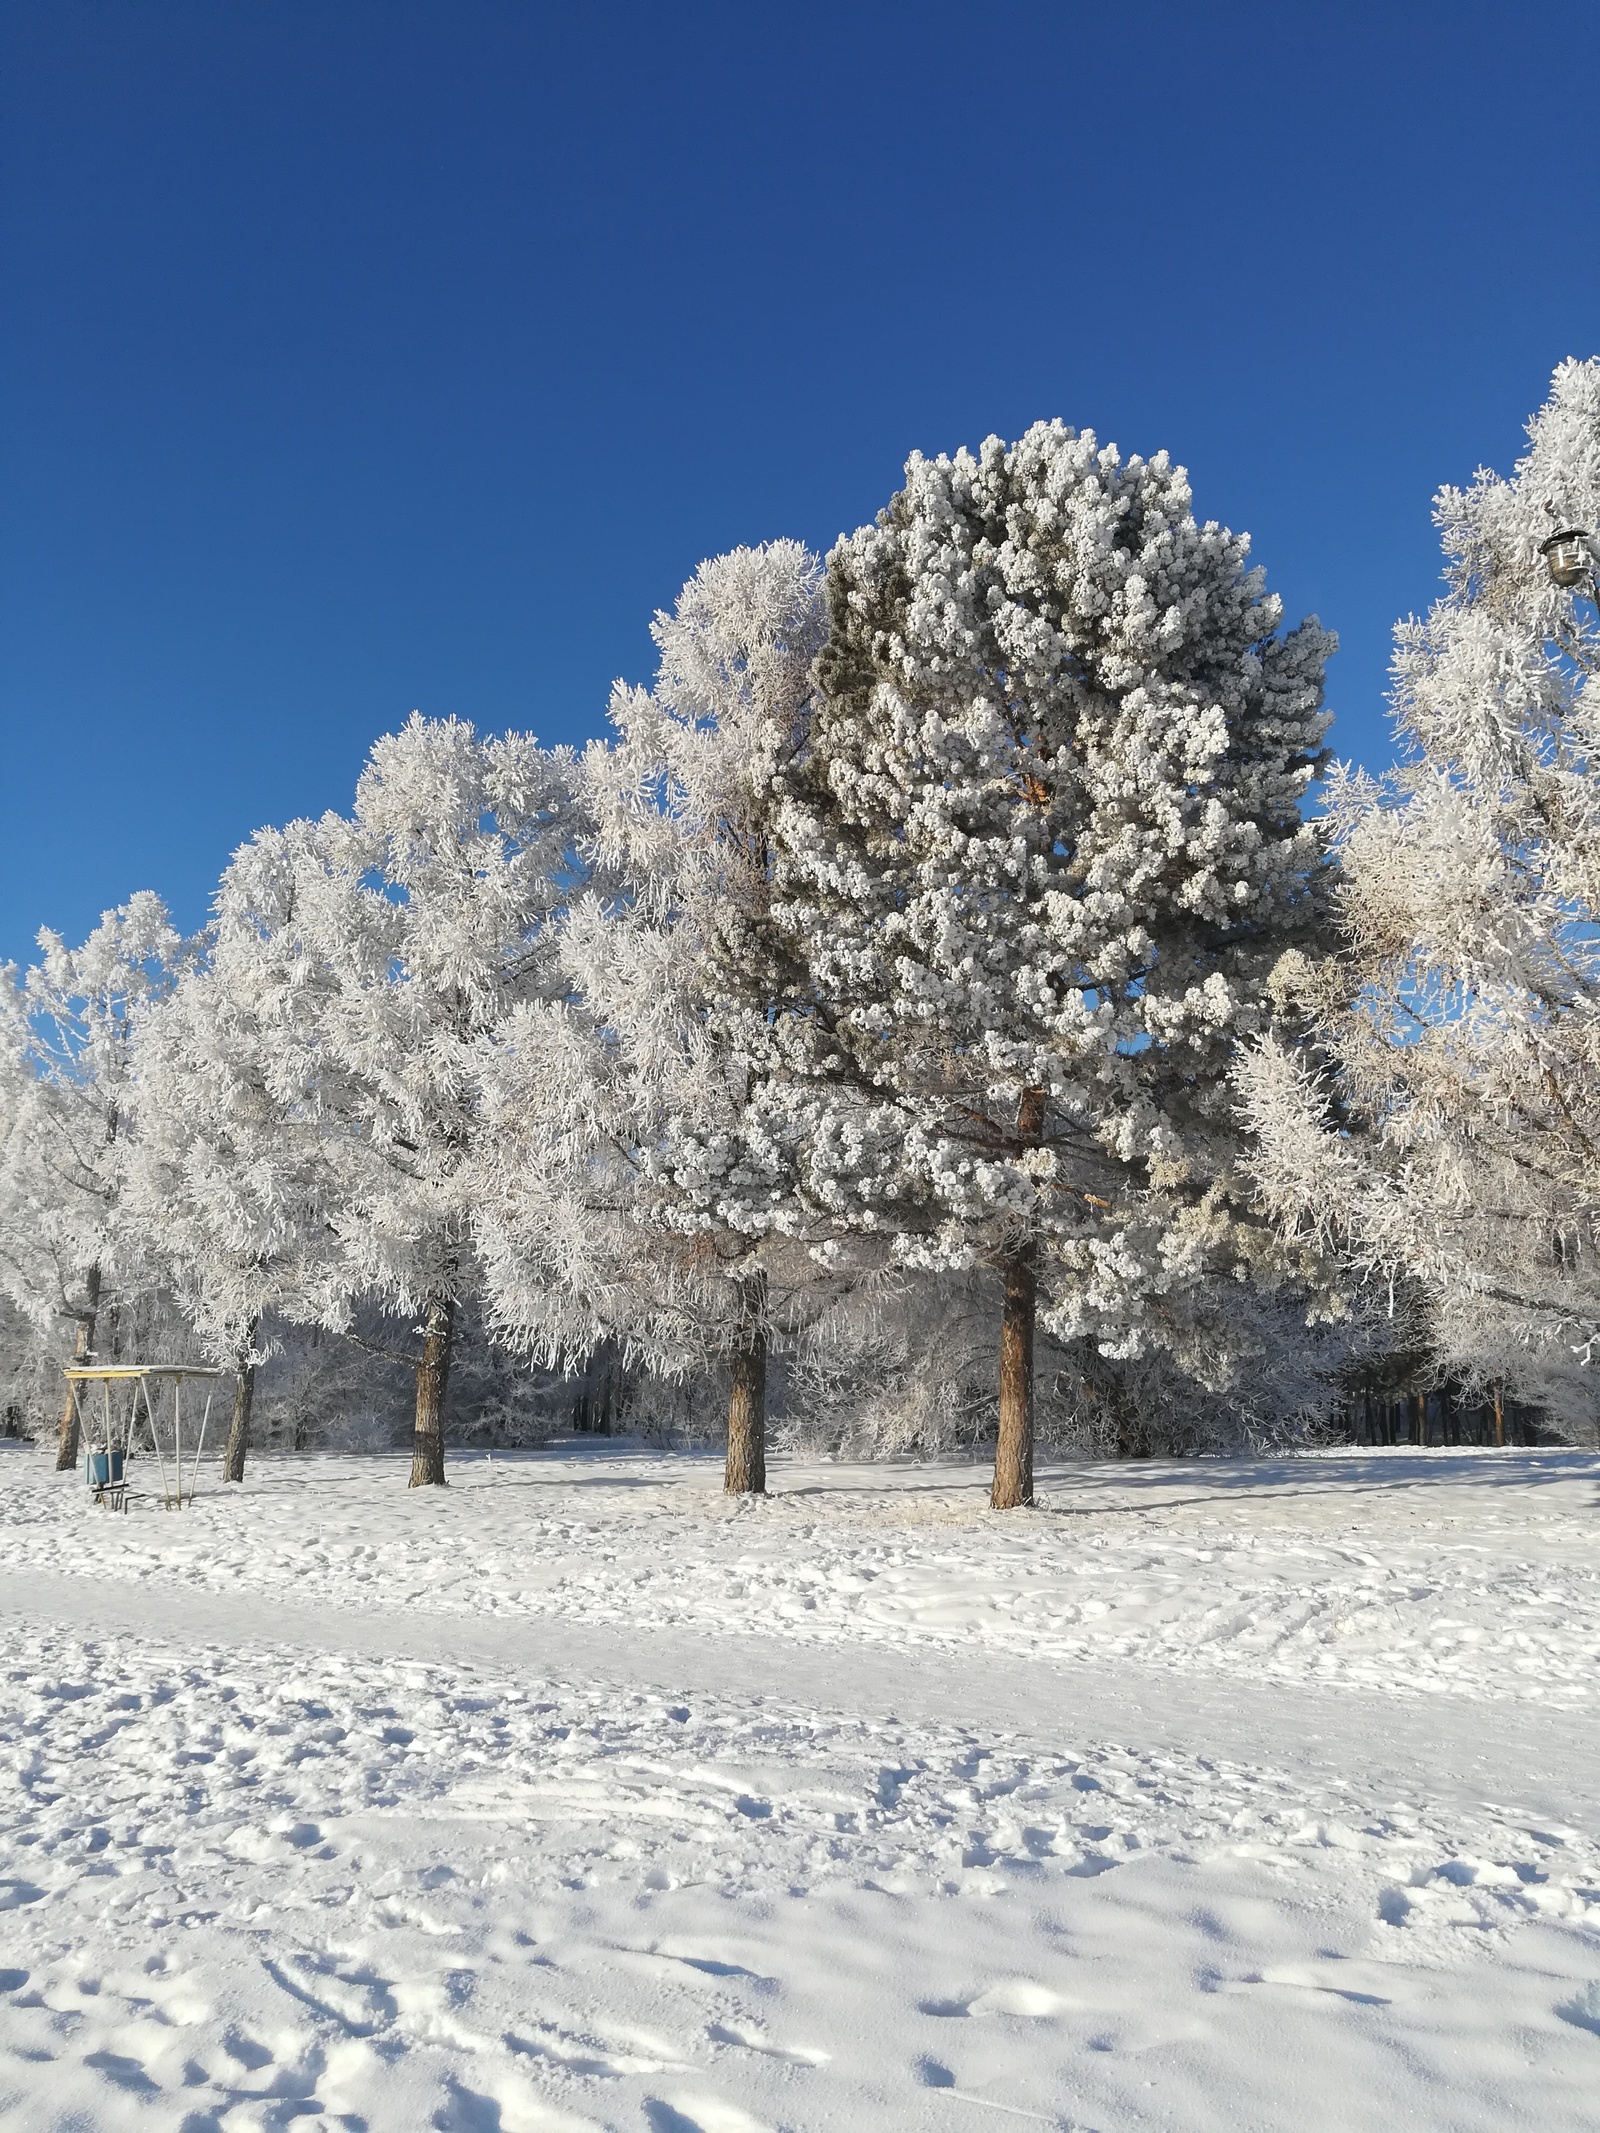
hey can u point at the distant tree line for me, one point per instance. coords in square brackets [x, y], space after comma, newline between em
[930, 1017]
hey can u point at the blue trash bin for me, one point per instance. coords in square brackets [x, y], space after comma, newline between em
[105, 1469]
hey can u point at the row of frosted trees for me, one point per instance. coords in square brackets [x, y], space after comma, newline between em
[922, 941]
[1436, 1120]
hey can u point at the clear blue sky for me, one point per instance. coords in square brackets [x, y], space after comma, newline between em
[358, 355]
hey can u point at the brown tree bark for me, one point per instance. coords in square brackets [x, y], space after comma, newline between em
[67, 1439]
[1013, 1452]
[244, 1399]
[746, 1472]
[1499, 1415]
[433, 1382]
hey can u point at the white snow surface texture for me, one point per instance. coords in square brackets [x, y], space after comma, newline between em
[1209, 1795]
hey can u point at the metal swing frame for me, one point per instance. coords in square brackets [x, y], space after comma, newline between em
[116, 1433]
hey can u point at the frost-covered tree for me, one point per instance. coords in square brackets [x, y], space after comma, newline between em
[1032, 870]
[67, 1033]
[230, 1181]
[1442, 1122]
[632, 1190]
[419, 923]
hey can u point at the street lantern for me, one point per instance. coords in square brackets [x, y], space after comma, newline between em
[1568, 557]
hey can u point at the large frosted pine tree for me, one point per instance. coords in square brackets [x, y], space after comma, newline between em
[1033, 869]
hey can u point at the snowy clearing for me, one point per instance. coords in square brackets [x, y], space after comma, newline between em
[319, 1817]
[1468, 1572]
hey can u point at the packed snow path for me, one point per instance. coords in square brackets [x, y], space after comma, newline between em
[551, 1802]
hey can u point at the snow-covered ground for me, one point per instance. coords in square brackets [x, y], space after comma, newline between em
[1478, 1576]
[1213, 1795]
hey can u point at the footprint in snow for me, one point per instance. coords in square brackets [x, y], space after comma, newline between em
[357, 2000]
[1012, 1996]
[712, 1965]
[751, 2040]
[698, 2114]
[512, 2107]
[123, 2072]
[1583, 2009]
[246, 2051]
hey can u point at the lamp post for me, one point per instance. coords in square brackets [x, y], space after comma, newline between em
[1569, 557]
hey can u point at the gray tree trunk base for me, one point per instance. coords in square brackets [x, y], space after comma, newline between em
[67, 1437]
[244, 1396]
[1013, 1451]
[433, 1384]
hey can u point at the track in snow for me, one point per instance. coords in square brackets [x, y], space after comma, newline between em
[278, 1861]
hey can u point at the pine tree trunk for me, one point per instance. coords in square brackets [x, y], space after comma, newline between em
[1013, 1451]
[433, 1379]
[746, 1473]
[1499, 1416]
[244, 1399]
[67, 1439]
